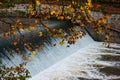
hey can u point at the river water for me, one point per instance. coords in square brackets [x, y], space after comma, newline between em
[90, 63]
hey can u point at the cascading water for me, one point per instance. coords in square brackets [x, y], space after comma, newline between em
[86, 59]
[46, 57]
[94, 62]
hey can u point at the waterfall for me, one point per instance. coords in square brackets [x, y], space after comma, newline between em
[75, 61]
[45, 58]
[93, 62]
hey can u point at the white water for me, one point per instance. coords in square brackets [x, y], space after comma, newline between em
[49, 56]
[81, 64]
[65, 63]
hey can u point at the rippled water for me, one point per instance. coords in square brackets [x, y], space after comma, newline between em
[93, 62]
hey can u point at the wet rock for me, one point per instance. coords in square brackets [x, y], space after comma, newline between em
[98, 65]
[110, 58]
[110, 71]
[80, 78]
[107, 51]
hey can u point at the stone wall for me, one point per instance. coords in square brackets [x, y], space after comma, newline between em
[113, 21]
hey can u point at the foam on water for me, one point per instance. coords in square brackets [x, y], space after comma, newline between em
[84, 63]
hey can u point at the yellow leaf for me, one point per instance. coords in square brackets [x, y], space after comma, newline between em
[32, 13]
[106, 37]
[33, 52]
[28, 30]
[107, 27]
[81, 8]
[21, 30]
[60, 17]
[89, 12]
[62, 43]
[40, 34]
[0, 2]
[18, 20]
[12, 32]
[73, 2]
[72, 9]
[68, 6]
[31, 27]
[36, 20]
[89, 1]
[106, 16]
[68, 17]
[30, 7]
[52, 12]
[38, 2]
[60, 30]
[82, 25]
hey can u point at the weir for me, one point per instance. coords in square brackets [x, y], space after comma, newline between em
[44, 58]
[86, 59]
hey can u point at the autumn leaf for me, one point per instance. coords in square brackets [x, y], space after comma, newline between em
[18, 20]
[15, 43]
[38, 2]
[28, 30]
[33, 52]
[21, 29]
[32, 13]
[60, 30]
[62, 43]
[106, 16]
[30, 7]
[106, 37]
[52, 12]
[72, 9]
[88, 11]
[60, 17]
[17, 50]
[31, 27]
[82, 26]
[1, 3]
[40, 34]
[36, 21]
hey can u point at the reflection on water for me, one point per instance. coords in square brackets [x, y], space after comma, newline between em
[91, 63]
